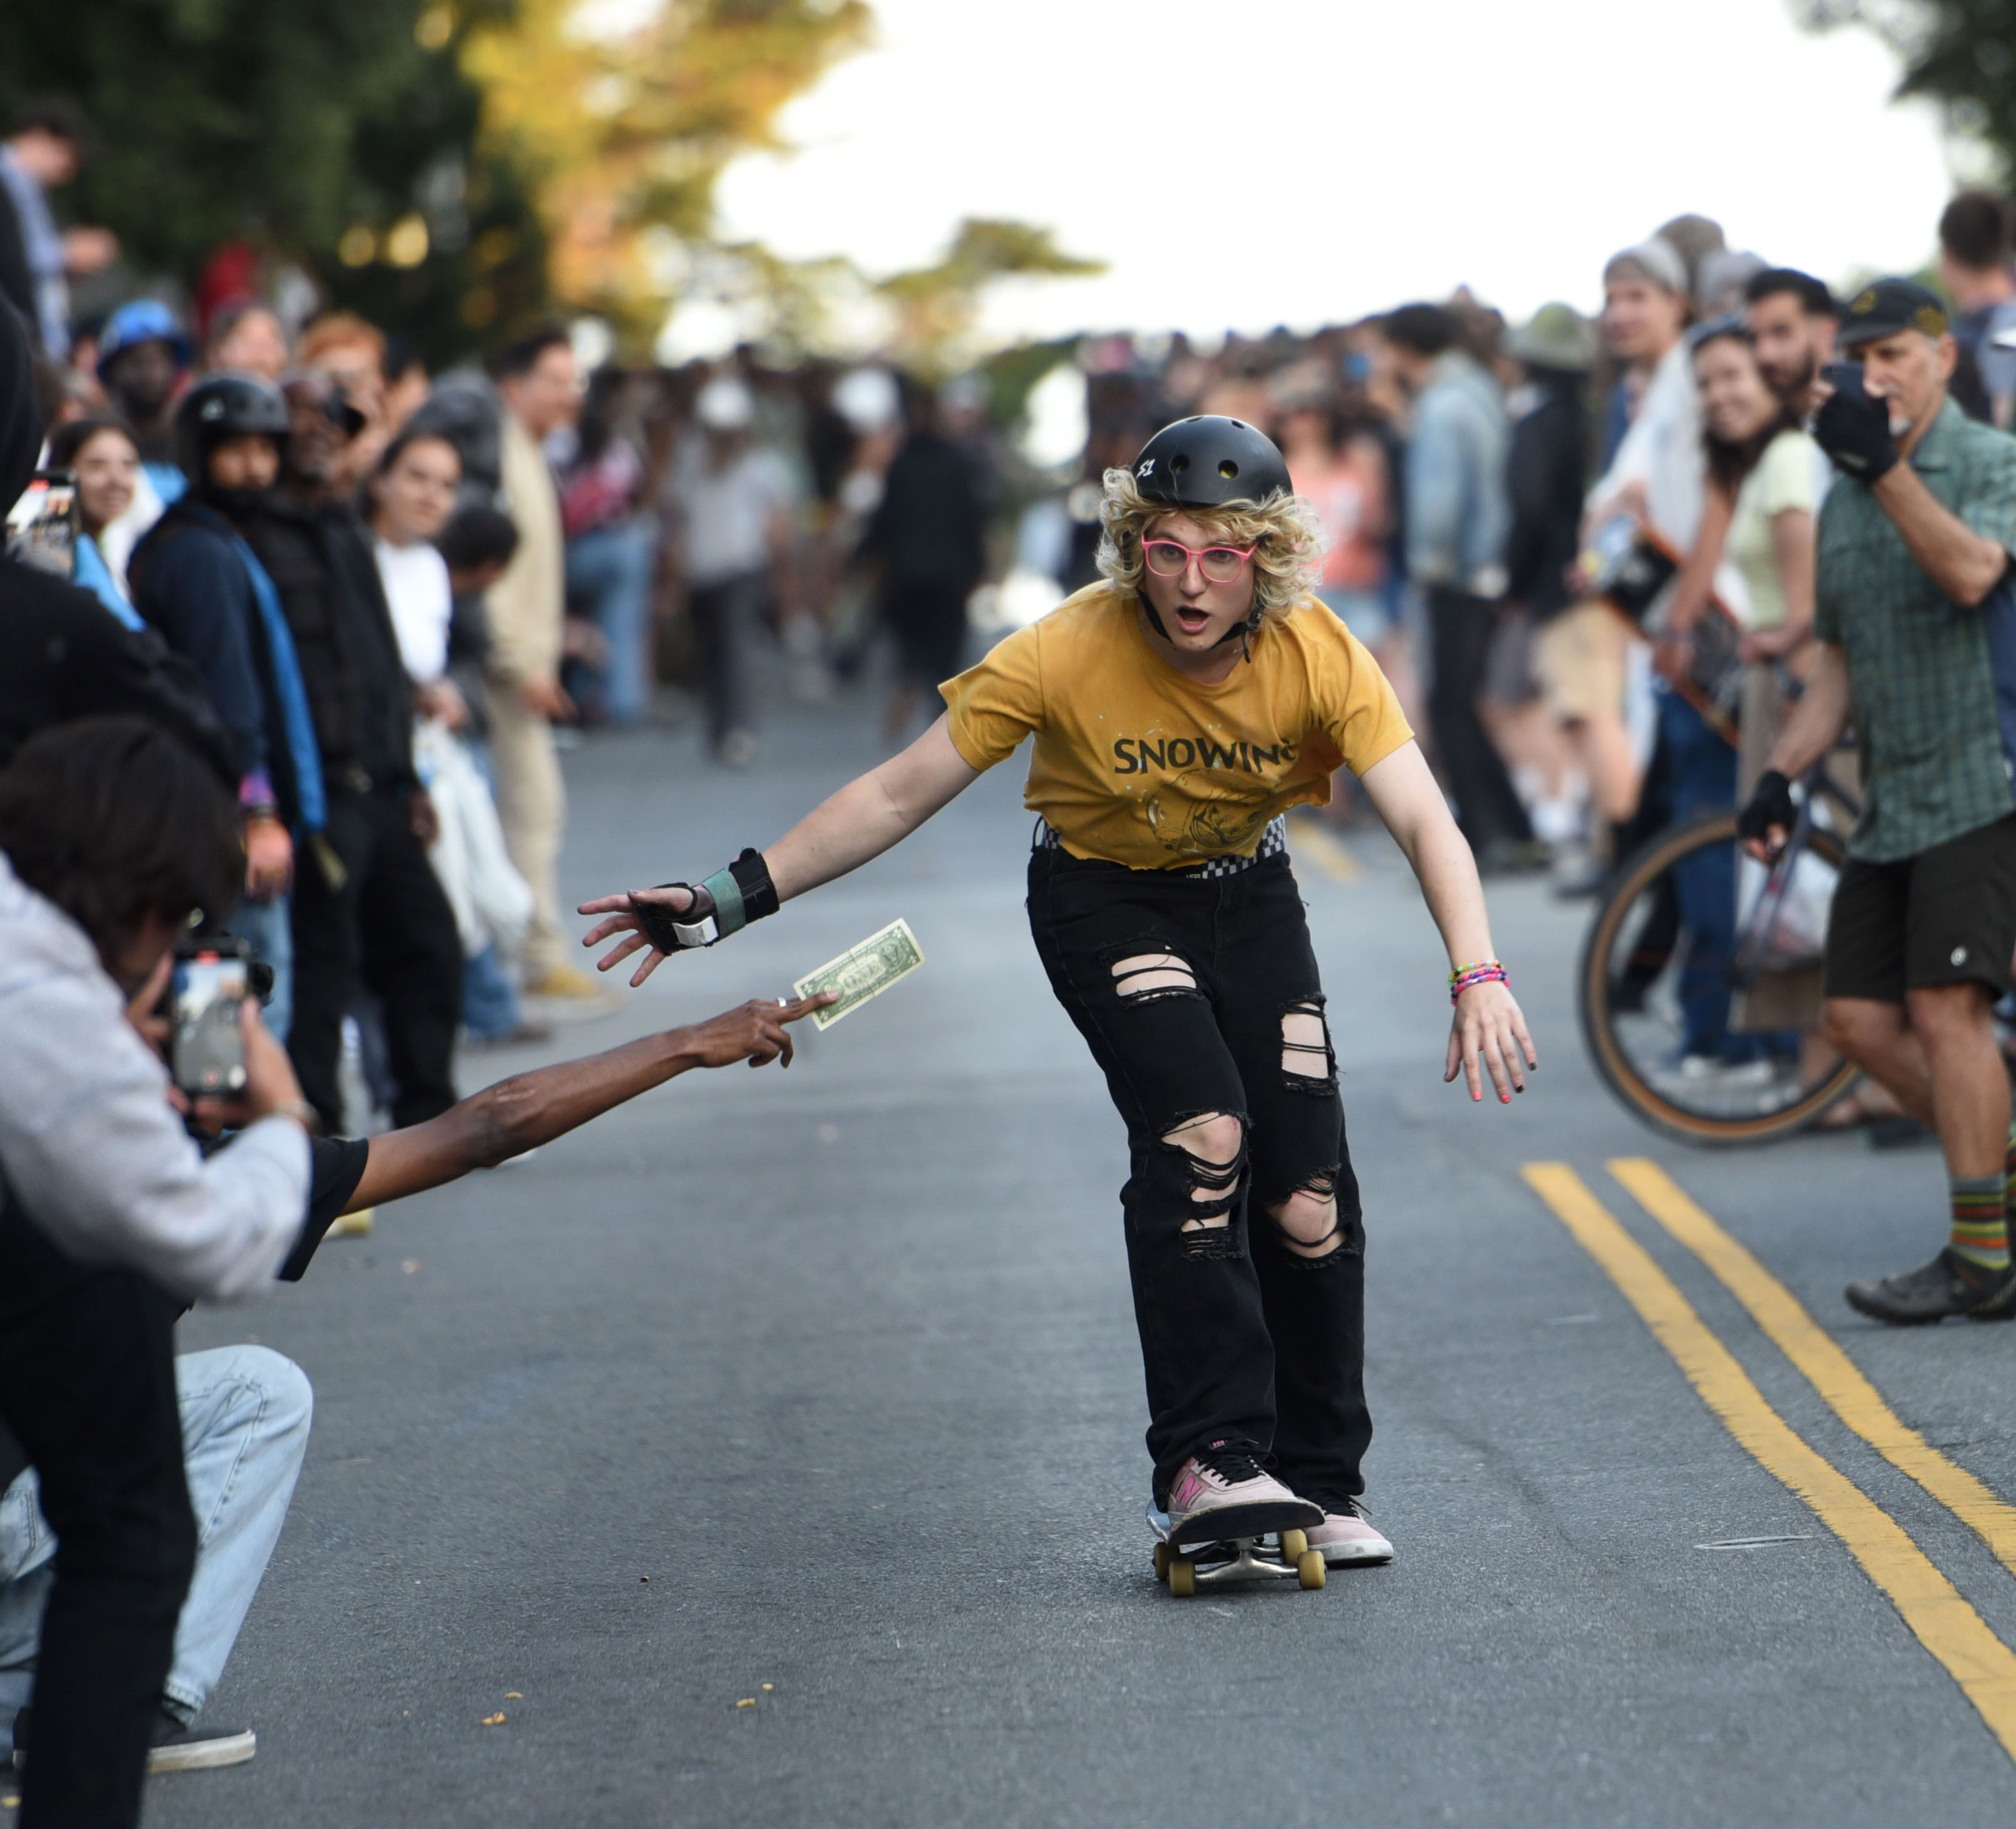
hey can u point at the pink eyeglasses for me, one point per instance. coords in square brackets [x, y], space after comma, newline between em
[1220, 565]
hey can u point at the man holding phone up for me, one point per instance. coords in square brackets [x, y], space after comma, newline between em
[1916, 622]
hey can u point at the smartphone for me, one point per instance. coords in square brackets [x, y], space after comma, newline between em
[42, 525]
[1845, 378]
[206, 1052]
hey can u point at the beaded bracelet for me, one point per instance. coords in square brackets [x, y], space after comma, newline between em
[1485, 971]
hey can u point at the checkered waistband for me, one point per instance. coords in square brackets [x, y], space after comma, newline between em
[1273, 841]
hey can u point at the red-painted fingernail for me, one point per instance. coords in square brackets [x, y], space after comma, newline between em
[1504, 1098]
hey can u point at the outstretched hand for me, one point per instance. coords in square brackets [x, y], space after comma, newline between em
[756, 1033]
[622, 919]
[1488, 1034]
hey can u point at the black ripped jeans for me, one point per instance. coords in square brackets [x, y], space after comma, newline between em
[1241, 1336]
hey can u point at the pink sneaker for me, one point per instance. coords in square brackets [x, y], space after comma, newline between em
[1220, 1492]
[1348, 1536]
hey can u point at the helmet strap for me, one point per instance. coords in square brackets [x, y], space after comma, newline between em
[1249, 628]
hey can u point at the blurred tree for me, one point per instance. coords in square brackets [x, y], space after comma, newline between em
[937, 307]
[1960, 53]
[342, 136]
[625, 123]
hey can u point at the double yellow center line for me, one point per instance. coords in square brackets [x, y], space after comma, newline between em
[1945, 1624]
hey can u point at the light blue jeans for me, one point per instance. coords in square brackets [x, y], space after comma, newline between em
[246, 1412]
[489, 998]
[267, 928]
[610, 567]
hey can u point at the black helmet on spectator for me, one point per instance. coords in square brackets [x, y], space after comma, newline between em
[1207, 460]
[223, 407]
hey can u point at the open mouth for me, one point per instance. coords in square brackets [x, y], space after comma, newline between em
[1192, 622]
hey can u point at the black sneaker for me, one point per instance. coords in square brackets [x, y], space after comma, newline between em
[175, 1747]
[1949, 1285]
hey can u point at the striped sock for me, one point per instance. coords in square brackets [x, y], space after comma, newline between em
[1980, 1227]
[2009, 1171]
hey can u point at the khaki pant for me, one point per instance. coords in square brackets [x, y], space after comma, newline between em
[531, 803]
[1579, 660]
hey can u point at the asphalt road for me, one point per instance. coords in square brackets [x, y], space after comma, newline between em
[820, 1391]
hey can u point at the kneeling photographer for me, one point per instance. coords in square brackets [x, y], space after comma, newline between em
[113, 840]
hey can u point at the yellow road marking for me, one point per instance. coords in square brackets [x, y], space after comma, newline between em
[1935, 1610]
[1307, 838]
[1849, 1394]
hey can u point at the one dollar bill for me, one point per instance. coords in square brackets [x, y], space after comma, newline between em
[863, 971]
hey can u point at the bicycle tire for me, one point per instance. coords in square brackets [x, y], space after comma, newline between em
[1593, 987]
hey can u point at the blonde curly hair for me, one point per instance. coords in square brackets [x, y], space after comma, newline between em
[1283, 528]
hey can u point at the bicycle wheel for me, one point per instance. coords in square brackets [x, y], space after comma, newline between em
[1656, 980]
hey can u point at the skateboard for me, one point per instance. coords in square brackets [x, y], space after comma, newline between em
[1184, 1567]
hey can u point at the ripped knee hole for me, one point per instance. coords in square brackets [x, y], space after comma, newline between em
[1305, 1045]
[1214, 1144]
[1308, 1219]
[1144, 975]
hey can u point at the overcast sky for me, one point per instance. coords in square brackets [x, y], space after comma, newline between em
[1373, 152]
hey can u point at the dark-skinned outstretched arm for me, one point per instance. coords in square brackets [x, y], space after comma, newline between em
[529, 1109]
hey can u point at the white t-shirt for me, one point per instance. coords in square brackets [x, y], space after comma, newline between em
[726, 512]
[422, 600]
[1662, 451]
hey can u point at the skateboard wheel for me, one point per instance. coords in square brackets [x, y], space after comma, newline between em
[1309, 1568]
[1182, 1577]
[1293, 1544]
[1161, 1562]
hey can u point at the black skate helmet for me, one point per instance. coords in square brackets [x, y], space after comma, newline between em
[1207, 460]
[227, 406]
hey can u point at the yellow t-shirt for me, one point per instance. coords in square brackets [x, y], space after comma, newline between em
[1144, 766]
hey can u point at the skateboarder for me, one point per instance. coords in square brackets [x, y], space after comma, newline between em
[1180, 708]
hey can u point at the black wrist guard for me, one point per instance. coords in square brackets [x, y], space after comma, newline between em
[1770, 804]
[724, 904]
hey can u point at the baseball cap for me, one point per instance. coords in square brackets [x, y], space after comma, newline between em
[143, 320]
[1884, 307]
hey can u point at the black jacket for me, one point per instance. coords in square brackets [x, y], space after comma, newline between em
[1546, 478]
[62, 653]
[17, 280]
[321, 564]
[190, 582]
[932, 524]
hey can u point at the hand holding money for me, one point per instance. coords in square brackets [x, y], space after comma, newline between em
[862, 972]
[756, 1033]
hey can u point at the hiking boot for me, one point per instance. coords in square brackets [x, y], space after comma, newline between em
[174, 1747]
[1222, 1491]
[1949, 1285]
[1346, 1535]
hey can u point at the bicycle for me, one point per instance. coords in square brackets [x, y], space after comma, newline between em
[1648, 979]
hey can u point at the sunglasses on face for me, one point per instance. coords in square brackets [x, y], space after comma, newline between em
[1220, 565]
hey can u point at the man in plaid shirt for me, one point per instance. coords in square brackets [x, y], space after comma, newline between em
[1917, 620]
